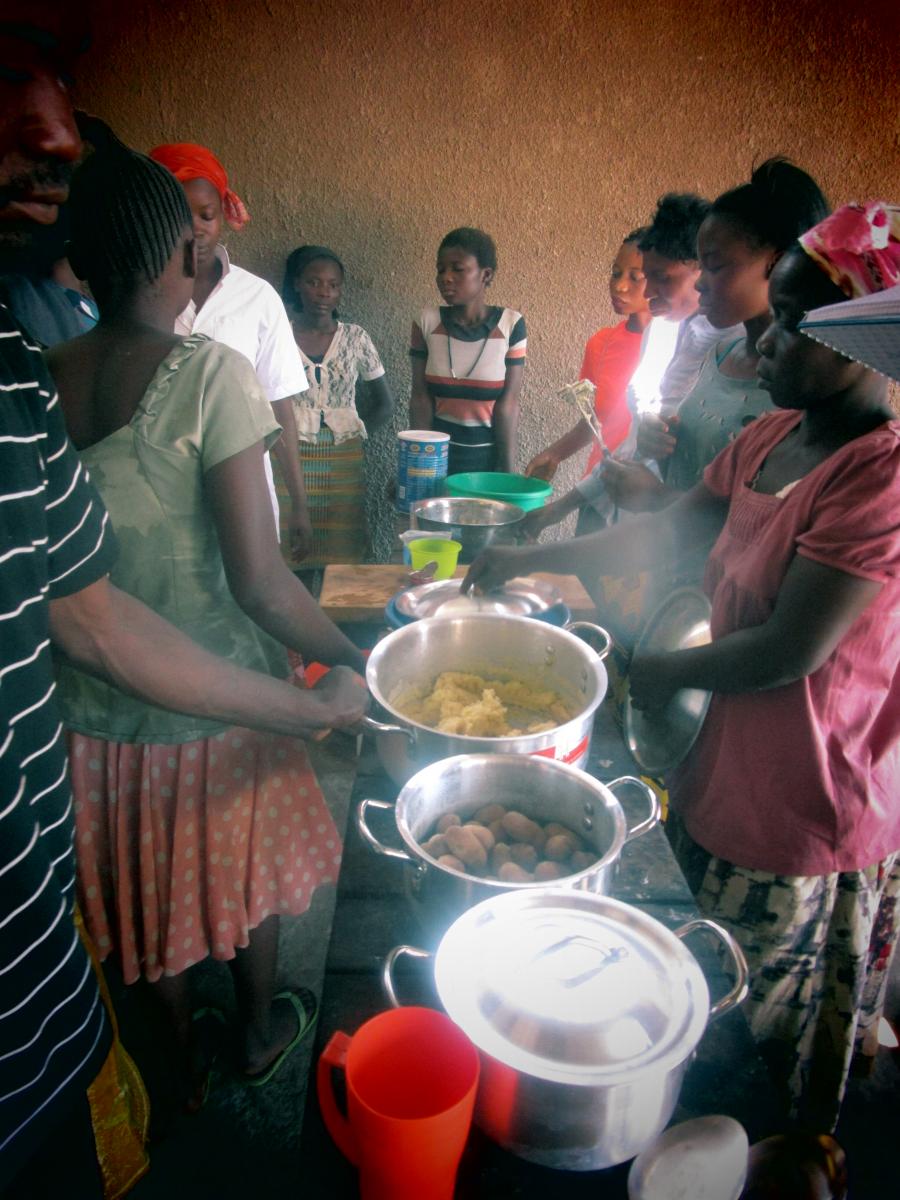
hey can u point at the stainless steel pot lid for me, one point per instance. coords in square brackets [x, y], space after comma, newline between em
[660, 740]
[517, 598]
[572, 987]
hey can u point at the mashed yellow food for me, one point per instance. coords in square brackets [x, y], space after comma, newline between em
[469, 704]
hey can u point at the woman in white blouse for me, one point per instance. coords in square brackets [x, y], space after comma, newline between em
[330, 427]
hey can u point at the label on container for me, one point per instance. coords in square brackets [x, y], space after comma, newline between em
[421, 465]
[574, 755]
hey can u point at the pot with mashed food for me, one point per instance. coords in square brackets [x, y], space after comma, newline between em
[485, 684]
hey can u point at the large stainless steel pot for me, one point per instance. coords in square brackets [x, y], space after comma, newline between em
[585, 1011]
[474, 523]
[540, 788]
[484, 644]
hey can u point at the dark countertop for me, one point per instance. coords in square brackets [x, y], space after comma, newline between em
[372, 916]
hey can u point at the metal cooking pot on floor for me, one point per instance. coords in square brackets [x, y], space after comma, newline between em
[540, 788]
[484, 644]
[585, 1012]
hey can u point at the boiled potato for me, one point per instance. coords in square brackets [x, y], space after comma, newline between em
[522, 829]
[512, 873]
[524, 854]
[547, 871]
[490, 812]
[436, 845]
[559, 847]
[446, 821]
[466, 845]
[483, 834]
[450, 860]
[582, 859]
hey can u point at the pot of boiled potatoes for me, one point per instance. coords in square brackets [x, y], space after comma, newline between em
[478, 824]
[485, 684]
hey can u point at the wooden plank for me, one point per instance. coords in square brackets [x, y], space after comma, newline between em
[359, 592]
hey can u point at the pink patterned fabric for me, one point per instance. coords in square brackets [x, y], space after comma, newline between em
[858, 247]
[183, 849]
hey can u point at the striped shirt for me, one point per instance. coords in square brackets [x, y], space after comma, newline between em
[54, 541]
[465, 368]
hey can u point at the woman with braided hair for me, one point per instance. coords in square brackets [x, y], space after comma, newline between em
[193, 838]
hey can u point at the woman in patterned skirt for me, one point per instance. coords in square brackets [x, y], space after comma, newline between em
[786, 818]
[330, 428]
[193, 838]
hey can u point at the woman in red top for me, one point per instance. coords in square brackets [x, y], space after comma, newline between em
[785, 813]
[610, 358]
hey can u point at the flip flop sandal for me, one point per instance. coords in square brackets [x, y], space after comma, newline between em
[200, 1093]
[306, 1006]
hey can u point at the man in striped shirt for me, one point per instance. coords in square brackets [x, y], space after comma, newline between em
[56, 548]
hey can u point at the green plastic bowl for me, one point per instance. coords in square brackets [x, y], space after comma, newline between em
[500, 485]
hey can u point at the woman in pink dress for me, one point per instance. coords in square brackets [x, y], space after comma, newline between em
[786, 818]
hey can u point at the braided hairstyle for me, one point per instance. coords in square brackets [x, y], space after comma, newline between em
[778, 204]
[127, 214]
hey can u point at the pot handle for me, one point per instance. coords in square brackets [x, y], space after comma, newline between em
[373, 726]
[572, 626]
[368, 836]
[738, 962]
[387, 970]
[652, 800]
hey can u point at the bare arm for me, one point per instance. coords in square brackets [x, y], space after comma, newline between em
[545, 465]
[506, 418]
[108, 633]
[376, 404]
[814, 609]
[626, 549]
[421, 406]
[285, 454]
[257, 575]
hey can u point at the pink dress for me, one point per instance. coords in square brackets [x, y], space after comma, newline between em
[804, 779]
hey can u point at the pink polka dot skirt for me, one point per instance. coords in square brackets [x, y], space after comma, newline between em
[182, 850]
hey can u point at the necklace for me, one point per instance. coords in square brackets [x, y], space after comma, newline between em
[453, 374]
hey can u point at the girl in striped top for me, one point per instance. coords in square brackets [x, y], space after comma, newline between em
[468, 358]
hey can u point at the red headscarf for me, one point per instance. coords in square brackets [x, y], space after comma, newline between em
[187, 160]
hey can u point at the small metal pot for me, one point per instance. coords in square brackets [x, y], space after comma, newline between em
[484, 644]
[540, 788]
[475, 524]
[585, 1012]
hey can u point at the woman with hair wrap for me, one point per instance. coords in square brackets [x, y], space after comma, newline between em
[193, 838]
[244, 312]
[785, 815]
[330, 430]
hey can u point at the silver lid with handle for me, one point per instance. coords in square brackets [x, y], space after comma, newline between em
[576, 987]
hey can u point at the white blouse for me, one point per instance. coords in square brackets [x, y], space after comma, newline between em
[331, 396]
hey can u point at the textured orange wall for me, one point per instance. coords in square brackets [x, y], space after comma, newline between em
[376, 126]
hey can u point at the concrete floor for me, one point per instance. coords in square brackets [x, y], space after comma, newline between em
[245, 1142]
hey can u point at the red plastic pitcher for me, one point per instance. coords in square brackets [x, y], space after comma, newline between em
[411, 1081]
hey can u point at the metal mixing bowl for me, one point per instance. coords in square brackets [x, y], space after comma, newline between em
[473, 523]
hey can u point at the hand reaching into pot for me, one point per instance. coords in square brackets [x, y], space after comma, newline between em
[494, 567]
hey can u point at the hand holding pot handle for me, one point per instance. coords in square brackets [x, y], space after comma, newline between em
[740, 989]
[335, 1055]
[387, 971]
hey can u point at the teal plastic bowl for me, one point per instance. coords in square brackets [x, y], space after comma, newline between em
[500, 485]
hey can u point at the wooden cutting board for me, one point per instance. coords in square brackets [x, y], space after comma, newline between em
[356, 592]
